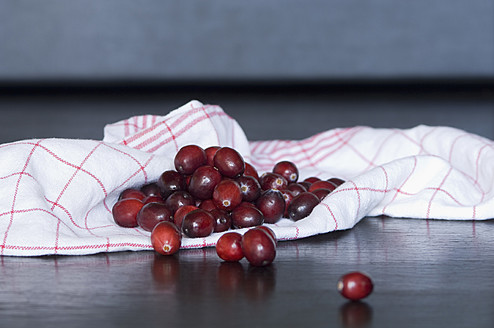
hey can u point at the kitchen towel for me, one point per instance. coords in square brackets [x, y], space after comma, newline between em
[57, 194]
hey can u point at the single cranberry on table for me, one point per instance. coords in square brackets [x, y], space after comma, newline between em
[227, 195]
[229, 162]
[272, 205]
[302, 205]
[125, 211]
[166, 238]
[270, 180]
[244, 216]
[189, 158]
[203, 181]
[198, 223]
[153, 213]
[355, 285]
[249, 187]
[169, 182]
[258, 247]
[229, 247]
[286, 169]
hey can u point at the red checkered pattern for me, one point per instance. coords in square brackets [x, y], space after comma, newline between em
[57, 194]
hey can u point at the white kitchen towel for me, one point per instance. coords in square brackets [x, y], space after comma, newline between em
[57, 194]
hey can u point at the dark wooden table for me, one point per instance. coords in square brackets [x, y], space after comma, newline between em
[427, 273]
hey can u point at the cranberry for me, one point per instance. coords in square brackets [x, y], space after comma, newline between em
[355, 285]
[132, 193]
[302, 205]
[210, 152]
[229, 162]
[288, 195]
[251, 171]
[222, 218]
[207, 205]
[249, 187]
[311, 180]
[305, 184]
[153, 199]
[336, 181]
[203, 181]
[169, 182]
[258, 247]
[286, 169]
[229, 247]
[270, 232]
[151, 189]
[189, 158]
[227, 195]
[321, 193]
[181, 213]
[198, 223]
[272, 205]
[166, 238]
[271, 180]
[125, 212]
[244, 216]
[322, 184]
[296, 188]
[179, 198]
[151, 214]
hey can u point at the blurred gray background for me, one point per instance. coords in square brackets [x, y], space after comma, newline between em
[381, 63]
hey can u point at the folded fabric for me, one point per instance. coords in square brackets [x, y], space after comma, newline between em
[57, 194]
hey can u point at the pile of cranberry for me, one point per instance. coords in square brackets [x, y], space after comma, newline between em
[215, 190]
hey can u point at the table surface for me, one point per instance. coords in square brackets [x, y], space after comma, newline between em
[427, 273]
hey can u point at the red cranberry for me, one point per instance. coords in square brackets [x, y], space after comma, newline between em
[203, 181]
[336, 181]
[222, 218]
[132, 193]
[179, 199]
[271, 180]
[269, 231]
[272, 205]
[181, 213]
[166, 238]
[229, 247]
[305, 184]
[250, 188]
[151, 189]
[355, 285]
[244, 216]
[322, 184]
[151, 214]
[258, 247]
[153, 199]
[189, 158]
[251, 171]
[210, 152]
[296, 188]
[286, 169]
[311, 180]
[227, 195]
[229, 162]
[125, 212]
[288, 195]
[302, 205]
[198, 223]
[169, 182]
[207, 205]
[321, 193]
